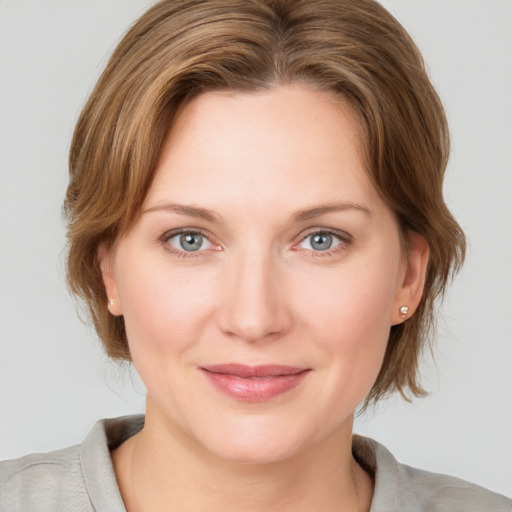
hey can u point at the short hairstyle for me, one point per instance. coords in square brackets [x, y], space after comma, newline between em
[181, 48]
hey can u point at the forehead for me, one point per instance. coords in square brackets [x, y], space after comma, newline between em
[286, 145]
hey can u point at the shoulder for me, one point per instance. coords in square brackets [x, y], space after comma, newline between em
[399, 487]
[446, 493]
[79, 479]
[43, 481]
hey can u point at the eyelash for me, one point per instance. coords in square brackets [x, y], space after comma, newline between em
[164, 240]
[344, 238]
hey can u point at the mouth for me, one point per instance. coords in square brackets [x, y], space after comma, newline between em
[254, 383]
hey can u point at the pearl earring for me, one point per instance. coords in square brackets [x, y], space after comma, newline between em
[110, 302]
[404, 311]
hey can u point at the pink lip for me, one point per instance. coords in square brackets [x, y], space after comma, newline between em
[254, 383]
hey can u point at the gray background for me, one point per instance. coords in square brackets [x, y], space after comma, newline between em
[54, 380]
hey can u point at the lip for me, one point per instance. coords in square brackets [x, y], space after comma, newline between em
[254, 383]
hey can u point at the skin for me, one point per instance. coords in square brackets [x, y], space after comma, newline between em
[258, 292]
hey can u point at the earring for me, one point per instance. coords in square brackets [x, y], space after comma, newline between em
[110, 302]
[404, 311]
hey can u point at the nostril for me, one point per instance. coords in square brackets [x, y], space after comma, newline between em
[259, 325]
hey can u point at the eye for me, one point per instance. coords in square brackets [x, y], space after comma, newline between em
[189, 241]
[321, 241]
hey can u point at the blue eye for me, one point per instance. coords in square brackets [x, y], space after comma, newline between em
[189, 242]
[320, 241]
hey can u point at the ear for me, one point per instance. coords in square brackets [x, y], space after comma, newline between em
[105, 258]
[410, 289]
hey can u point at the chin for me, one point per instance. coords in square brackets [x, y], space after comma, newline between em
[257, 442]
[254, 453]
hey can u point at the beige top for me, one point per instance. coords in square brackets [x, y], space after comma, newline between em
[81, 478]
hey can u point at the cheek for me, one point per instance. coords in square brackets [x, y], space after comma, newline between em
[353, 302]
[163, 309]
[349, 317]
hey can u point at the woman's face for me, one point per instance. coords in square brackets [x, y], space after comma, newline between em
[259, 285]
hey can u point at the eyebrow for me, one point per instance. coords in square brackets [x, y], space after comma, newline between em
[299, 216]
[317, 211]
[188, 210]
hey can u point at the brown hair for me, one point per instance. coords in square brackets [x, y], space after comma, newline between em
[181, 48]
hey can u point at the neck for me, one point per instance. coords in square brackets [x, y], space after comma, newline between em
[161, 468]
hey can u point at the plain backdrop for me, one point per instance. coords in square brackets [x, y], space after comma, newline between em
[54, 380]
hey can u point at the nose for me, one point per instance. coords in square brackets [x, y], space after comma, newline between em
[254, 306]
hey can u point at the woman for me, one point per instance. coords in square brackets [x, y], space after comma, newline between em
[256, 221]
